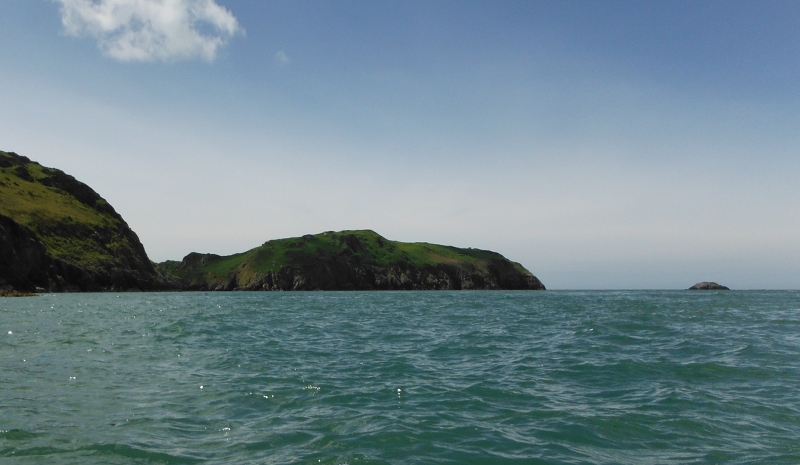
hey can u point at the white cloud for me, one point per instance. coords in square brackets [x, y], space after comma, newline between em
[151, 30]
[281, 58]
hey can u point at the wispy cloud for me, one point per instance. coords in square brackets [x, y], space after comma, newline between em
[281, 58]
[151, 30]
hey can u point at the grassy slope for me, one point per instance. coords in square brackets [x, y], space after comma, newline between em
[79, 227]
[363, 246]
[67, 227]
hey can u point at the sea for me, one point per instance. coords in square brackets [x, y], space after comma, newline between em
[435, 377]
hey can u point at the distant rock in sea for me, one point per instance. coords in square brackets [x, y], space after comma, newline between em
[709, 286]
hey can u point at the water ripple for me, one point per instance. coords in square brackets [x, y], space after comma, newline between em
[401, 377]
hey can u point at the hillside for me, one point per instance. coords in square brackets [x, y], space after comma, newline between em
[350, 260]
[57, 234]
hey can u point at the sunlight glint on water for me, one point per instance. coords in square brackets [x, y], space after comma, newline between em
[401, 377]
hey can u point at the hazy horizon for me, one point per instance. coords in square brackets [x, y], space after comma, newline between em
[603, 145]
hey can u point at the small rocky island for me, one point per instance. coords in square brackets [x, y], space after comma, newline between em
[708, 286]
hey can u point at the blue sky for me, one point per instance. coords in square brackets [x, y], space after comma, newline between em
[600, 144]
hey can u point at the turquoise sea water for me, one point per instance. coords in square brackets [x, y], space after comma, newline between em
[554, 377]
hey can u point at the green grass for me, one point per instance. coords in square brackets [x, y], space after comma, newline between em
[31, 203]
[359, 246]
[63, 224]
[79, 227]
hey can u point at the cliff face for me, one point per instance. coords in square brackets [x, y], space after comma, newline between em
[57, 234]
[351, 260]
[24, 264]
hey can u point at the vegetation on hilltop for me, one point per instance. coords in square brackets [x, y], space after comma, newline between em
[351, 260]
[58, 234]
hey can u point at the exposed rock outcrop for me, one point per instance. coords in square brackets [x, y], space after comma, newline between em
[708, 286]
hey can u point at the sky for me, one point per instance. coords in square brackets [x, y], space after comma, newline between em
[601, 144]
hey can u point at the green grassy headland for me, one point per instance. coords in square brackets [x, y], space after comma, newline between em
[75, 225]
[362, 252]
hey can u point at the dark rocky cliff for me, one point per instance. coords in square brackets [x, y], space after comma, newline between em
[57, 234]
